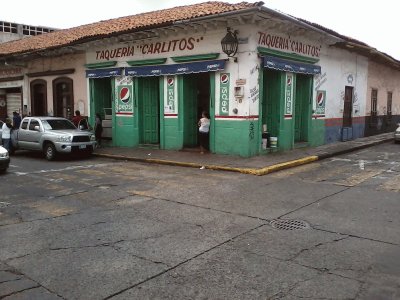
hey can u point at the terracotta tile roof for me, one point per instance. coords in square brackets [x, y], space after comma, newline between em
[121, 25]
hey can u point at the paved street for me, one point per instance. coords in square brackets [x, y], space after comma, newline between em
[105, 229]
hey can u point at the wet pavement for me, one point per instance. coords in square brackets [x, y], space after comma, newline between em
[273, 160]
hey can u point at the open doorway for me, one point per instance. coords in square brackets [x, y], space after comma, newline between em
[196, 99]
[101, 103]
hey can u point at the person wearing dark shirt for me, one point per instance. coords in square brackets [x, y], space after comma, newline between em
[16, 120]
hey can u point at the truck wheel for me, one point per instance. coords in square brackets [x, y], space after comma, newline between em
[49, 151]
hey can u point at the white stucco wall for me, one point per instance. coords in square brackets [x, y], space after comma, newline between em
[385, 80]
[243, 70]
[340, 69]
[80, 87]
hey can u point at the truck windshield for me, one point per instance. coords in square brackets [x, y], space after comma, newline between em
[58, 124]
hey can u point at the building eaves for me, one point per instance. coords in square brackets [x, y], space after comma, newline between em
[108, 28]
[356, 46]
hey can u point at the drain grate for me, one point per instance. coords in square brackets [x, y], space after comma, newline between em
[287, 224]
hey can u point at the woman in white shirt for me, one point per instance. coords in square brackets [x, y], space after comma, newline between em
[204, 129]
[6, 134]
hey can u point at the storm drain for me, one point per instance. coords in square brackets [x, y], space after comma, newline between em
[287, 224]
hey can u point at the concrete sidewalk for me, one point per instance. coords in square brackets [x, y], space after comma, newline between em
[258, 165]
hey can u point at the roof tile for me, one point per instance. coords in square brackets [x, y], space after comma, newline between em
[111, 27]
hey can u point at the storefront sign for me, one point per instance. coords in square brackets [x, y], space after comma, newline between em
[274, 41]
[289, 96]
[124, 100]
[320, 103]
[224, 94]
[170, 107]
[157, 47]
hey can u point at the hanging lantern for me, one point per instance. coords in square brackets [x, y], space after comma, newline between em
[230, 43]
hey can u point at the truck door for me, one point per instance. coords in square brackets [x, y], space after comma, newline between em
[21, 135]
[29, 138]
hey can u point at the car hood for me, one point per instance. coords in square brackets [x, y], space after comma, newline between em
[71, 132]
[3, 150]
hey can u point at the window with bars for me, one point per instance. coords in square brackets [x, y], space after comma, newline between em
[8, 27]
[15, 28]
[389, 106]
[33, 30]
[374, 106]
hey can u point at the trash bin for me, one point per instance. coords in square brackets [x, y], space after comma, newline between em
[265, 140]
[274, 141]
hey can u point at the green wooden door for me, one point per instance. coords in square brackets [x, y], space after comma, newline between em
[149, 109]
[189, 111]
[272, 96]
[302, 108]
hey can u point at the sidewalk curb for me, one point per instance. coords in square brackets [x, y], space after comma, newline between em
[287, 165]
[354, 148]
[250, 171]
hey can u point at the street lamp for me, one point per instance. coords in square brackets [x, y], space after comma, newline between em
[230, 43]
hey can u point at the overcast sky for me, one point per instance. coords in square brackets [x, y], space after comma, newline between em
[372, 22]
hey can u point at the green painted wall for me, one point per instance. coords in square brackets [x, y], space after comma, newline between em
[272, 110]
[317, 132]
[236, 137]
[285, 137]
[125, 129]
[172, 137]
[125, 132]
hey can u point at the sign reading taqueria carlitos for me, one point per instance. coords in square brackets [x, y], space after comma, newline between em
[10, 72]
[287, 43]
[183, 44]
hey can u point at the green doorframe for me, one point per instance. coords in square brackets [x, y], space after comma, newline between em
[212, 112]
[181, 109]
[162, 101]
[179, 79]
[98, 91]
[285, 131]
[101, 95]
[302, 107]
[260, 106]
[273, 117]
[189, 109]
[91, 97]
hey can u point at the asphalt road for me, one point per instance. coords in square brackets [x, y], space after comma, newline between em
[104, 229]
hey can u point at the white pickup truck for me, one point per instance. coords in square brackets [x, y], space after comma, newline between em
[52, 135]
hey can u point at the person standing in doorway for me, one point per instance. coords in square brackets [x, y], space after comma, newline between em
[98, 129]
[204, 129]
[6, 134]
